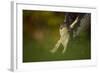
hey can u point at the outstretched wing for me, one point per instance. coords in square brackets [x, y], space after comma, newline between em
[84, 24]
[77, 22]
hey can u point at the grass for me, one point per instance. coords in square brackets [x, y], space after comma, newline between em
[78, 49]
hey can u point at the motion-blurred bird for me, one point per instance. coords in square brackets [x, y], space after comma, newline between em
[64, 34]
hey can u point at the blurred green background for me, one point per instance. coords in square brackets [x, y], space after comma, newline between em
[41, 33]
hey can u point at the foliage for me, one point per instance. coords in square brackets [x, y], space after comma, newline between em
[41, 32]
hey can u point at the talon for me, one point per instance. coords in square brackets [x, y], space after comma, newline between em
[52, 51]
[64, 51]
